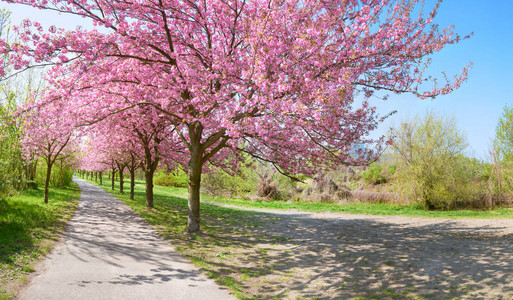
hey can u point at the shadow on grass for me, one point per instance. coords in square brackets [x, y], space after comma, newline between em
[25, 219]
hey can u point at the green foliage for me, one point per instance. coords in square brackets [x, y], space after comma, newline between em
[11, 162]
[374, 174]
[285, 187]
[431, 167]
[219, 183]
[61, 176]
[502, 156]
[178, 178]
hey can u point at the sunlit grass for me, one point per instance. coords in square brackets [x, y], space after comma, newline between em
[27, 227]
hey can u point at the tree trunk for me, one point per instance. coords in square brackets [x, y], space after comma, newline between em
[112, 179]
[96, 176]
[194, 173]
[148, 175]
[101, 179]
[121, 169]
[121, 182]
[132, 183]
[31, 175]
[47, 181]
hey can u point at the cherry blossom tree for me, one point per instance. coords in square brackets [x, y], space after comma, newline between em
[48, 133]
[275, 79]
[136, 139]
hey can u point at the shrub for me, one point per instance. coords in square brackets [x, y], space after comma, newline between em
[427, 152]
[219, 183]
[376, 197]
[61, 176]
[374, 174]
[177, 178]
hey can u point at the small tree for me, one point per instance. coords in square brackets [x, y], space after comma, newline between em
[49, 134]
[502, 155]
[426, 152]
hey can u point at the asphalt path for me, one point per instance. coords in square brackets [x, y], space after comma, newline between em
[110, 252]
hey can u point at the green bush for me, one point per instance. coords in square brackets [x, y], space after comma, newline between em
[374, 174]
[177, 178]
[219, 183]
[431, 168]
[61, 176]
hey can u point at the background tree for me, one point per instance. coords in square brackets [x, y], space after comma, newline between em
[502, 155]
[428, 154]
[49, 133]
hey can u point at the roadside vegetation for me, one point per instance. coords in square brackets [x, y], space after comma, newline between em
[28, 229]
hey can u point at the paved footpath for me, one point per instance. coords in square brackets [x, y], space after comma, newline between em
[110, 252]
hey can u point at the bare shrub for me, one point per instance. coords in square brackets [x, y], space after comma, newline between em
[377, 197]
[323, 183]
[325, 198]
[266, 187]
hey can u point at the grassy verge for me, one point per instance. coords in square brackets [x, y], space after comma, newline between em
[28, 228]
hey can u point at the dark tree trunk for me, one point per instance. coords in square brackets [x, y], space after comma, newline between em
[194, 174]
[47, 181]
[31, 175]
[96, 176]
[112, 179]
[121, 182]
[132, 183]
[148, 176]
[101, 179]
[121, 169]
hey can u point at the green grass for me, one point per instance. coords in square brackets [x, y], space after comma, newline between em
[27, 227]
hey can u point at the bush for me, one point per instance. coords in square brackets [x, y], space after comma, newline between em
[176, 179]
[430, 169]
[219, 183]
[61, 176]
[374, 174]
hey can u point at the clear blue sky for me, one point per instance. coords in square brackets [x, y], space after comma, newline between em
[477, 105]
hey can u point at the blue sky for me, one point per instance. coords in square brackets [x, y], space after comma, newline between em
[477, 105]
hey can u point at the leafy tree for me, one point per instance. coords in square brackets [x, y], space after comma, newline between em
[426, 151]
[49, 134]
[503, 152]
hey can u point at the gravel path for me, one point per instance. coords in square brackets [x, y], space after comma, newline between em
[109, 252]
[344, 256]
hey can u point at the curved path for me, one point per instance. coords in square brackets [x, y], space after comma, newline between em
[110, 252]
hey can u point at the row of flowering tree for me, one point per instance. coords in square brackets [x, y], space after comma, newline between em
[203, 82]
